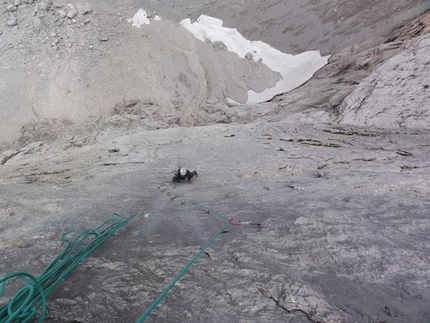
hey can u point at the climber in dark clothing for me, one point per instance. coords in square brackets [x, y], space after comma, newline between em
[182, 174]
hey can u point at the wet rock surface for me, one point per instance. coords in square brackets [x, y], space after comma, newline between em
[344, 234]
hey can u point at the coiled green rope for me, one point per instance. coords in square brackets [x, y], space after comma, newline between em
[31, 298]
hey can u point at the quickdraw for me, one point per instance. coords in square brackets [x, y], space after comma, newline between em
[241, 222]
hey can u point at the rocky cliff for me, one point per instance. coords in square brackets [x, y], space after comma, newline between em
[335, 172]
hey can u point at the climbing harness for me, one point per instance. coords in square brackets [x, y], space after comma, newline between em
[196, 256]
[31, 298]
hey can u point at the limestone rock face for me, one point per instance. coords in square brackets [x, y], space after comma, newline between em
[396, 94]
[343, 209]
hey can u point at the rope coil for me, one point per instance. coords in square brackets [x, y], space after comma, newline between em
[31, 298]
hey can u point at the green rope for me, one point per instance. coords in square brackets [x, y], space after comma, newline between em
[185, 268]
[202, 206]
[31, 298]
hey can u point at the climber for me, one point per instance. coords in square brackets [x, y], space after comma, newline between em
[182, 174]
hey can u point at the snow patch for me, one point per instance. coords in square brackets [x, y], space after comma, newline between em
[141, 18]
[294, 69]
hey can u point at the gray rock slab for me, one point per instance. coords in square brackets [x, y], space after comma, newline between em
[344, 233]
[397, 94]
